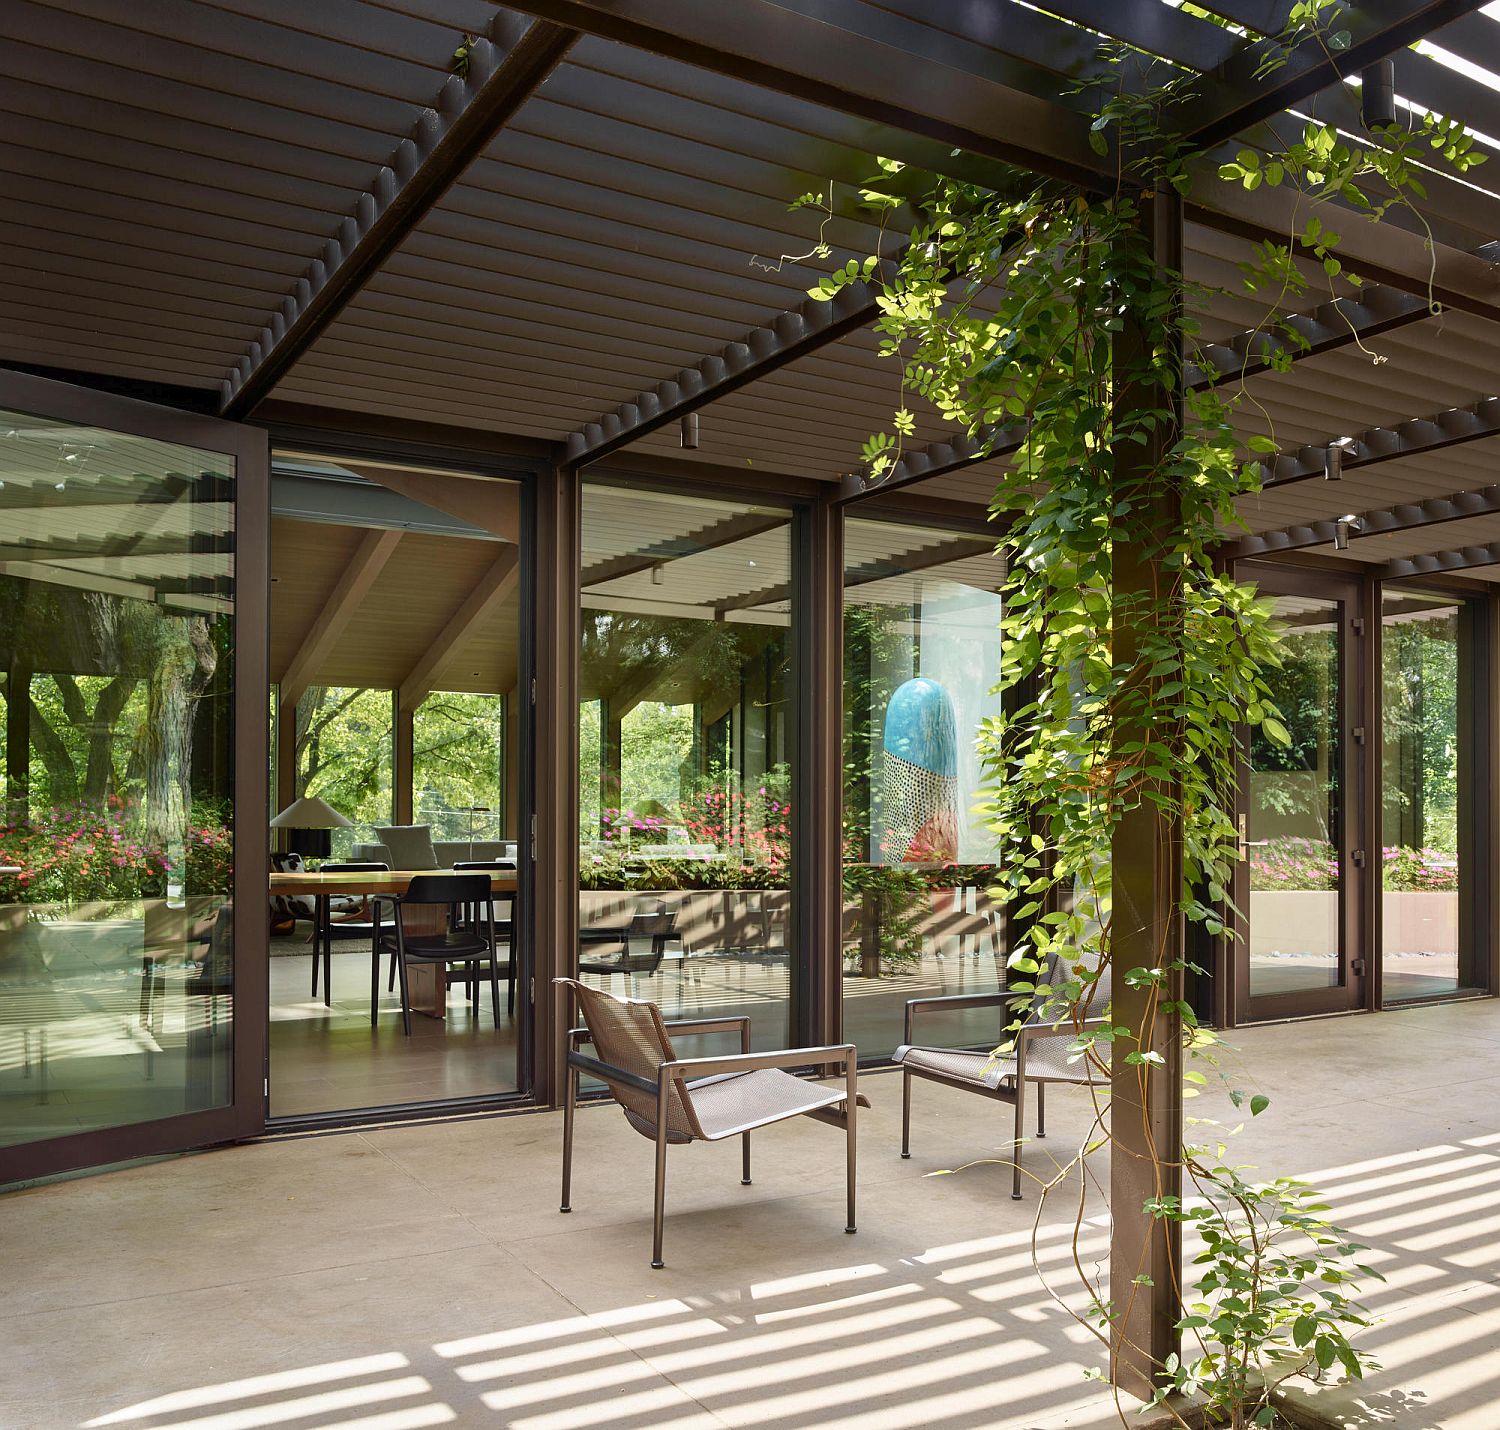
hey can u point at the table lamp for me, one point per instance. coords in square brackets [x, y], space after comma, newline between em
[308, 821]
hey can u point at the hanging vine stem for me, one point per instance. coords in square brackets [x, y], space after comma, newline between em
[1124, 700]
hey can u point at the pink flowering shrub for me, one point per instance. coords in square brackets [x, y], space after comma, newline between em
[1295, 865]
[83, 853]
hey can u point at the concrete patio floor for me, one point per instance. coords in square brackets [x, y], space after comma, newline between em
[422, 1276]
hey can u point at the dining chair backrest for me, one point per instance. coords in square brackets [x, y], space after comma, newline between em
[354, 866]
[447, 889]
[631, 1036]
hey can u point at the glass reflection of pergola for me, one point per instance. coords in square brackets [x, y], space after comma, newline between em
[552, 263]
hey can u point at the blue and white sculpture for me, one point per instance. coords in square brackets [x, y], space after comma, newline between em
[921, 775]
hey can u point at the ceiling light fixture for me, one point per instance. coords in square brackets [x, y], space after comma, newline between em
[1333, 458]
[689, 431]
[1377, 95]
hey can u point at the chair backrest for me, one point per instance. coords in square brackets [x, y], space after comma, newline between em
[631, 1037]
[1096, 995]
[506, 865]
[658, 922]
[447, 889]
[354, 866]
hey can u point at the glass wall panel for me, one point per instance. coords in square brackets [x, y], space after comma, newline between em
[1424, 870]
[1294, 806]
[395, 598]
[921, 657]
[458, 759]
[116, 641]
[685, 755]
[346, 756]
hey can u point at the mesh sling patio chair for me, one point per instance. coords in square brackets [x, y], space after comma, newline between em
[671, 1100]
[1038, 1056]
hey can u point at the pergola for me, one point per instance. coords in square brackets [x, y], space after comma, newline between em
[552, 252]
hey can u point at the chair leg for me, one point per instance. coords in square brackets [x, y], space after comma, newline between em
[494, 991]
[1041, 1109]
[745, 1160]
[374, 982]
[570, 1101]
[659, 1212]
[405, 999]
[851, 1142]
[905, 1113]
[1015, 1151]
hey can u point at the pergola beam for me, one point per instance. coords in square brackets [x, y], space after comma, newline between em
[1408, 517]
[1336, 324]
[786, 338]
[504, 70]
[1378, 253]
[1383, 444]
[1463, 559]
[1376, 28]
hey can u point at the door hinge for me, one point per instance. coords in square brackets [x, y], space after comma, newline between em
[1359, 734]
[1358, 625]
[531, 989]
[1357, 966]
[533, 690]
[1359, 858]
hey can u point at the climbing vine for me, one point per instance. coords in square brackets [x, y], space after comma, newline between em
[1131, 661]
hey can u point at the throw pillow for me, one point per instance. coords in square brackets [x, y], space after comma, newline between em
[410, 845]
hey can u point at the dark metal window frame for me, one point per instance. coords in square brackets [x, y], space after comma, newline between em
[244, 1116]
[502, 462]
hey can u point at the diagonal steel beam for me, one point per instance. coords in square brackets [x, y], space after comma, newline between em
[1407, 517]
[789, 336]
[1463, 559]
[505, 68]
[1376, 28]
[1376, 309]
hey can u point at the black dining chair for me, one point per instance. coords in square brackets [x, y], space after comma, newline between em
[505, 926]
[427, 904]
[352, 928]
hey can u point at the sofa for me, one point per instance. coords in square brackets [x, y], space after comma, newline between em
[447, 852]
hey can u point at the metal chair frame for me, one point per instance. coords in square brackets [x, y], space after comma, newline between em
[1016, 1093]
[420, 892]
[678, 1070]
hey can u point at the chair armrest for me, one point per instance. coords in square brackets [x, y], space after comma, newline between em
[689, 1026]
[955, 1002]
[843, 1053]
[577, 1037]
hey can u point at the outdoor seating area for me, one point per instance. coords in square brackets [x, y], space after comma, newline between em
[586, 585]
[765, 1314]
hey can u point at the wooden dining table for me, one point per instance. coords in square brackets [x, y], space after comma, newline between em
[428, 982]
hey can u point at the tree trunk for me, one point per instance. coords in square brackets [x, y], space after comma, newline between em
[186, 662]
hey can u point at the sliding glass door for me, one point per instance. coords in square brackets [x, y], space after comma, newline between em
[132, 584]
[1300, 884]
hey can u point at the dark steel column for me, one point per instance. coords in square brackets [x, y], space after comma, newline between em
[553, 775]
[817, 892]
[1145, 1099]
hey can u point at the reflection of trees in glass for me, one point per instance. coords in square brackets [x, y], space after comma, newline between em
[116, 749]
[112, 688]
[1420, 733]
[669, 699]
[458, 759]
[1297, 783]
[345, 751]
